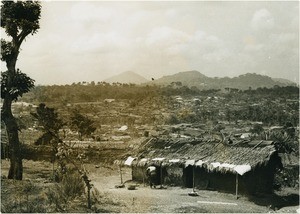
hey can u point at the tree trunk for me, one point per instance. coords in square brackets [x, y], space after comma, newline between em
[16, 167]
[89, 198]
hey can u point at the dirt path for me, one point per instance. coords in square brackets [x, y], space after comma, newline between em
[172, 199]
[146, 200]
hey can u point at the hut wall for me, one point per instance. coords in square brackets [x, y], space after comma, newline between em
[258, 181]
[138, 173]
[213, 180]
[174, 175]
[171, 175]
[188, 176]
[261, 179]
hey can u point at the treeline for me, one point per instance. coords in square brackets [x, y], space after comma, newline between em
[89, 93]
[93, 92]
[275, 91]
[271, 106]
[268, 114]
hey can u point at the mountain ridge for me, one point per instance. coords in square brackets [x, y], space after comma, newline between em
[195, 78]
[245, 81]
[127, 77]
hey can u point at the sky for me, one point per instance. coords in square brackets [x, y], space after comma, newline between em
[94, 40]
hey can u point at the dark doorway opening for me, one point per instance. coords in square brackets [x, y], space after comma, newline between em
[158, 175]
[188, 176]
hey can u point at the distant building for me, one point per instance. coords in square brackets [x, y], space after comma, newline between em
[245, 135]
[109, 100]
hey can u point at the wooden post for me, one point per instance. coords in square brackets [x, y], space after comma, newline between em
[121, 174]
[89, 198]
[161, 175]
[236, 185]
[53, 173]
[144, 178]
[193, 178]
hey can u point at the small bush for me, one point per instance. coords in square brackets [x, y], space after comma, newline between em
[57, 198]
[72, 185]
[172, 119]
[146, 134]
[27, 197]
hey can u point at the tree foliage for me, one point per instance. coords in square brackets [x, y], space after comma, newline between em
[21, 17]
[20, 84]
[82, 124]
[48, 118]
[6, 50]
[49, 121]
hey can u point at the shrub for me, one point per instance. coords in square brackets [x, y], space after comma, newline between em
[56, 197]
[72, 185]
[172, 119]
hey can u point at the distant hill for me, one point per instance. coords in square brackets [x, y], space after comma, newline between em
[245, 81]
[284, 81]
[188, 78]
[127, 77]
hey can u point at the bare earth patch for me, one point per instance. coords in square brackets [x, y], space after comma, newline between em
[142, 199]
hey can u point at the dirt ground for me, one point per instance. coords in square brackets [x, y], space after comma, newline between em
[169, 200]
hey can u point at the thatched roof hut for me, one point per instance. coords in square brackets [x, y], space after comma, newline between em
[210, 163]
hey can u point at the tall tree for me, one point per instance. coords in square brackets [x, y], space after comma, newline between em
[19, 19]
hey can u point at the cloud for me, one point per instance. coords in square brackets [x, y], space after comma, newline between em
[93, 40]
[171, 49]
[206, 42]
[171, 13]
[217, 55]
[84, 11]
[206, 48]
[98, 43]
[284, 38]
[166, 36]
[262, 20]
[254, 47]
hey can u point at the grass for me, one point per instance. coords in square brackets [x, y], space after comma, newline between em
[37, 193]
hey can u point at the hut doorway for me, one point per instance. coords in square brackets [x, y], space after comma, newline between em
[188, 176]
[154, 176]
[158, 175]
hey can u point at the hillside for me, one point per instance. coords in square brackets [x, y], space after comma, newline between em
[127, 77]
[284, 81]
[188, 78]
[245, 81]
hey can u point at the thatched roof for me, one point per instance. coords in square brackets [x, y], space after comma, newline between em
[213, 155]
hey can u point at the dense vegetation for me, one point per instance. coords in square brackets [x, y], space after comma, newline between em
[272, 106]
[89, 92]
